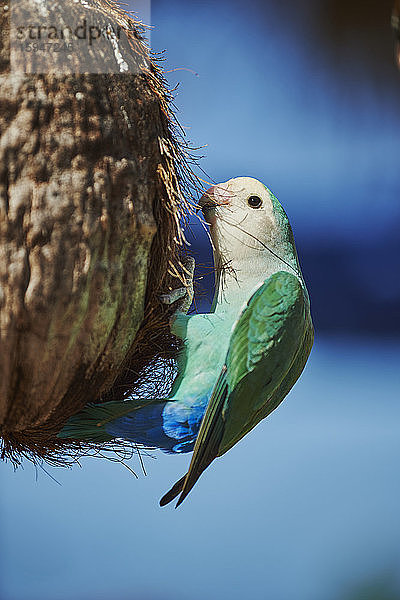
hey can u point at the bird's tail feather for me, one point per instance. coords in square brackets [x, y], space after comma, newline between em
[173, 492]
[89, 424]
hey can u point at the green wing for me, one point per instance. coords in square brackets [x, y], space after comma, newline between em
[269, 348]
[274, 314]
[268, 341]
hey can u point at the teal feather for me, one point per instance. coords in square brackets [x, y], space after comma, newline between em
[90, 424]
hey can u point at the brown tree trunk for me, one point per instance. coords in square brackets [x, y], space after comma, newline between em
[89, 202]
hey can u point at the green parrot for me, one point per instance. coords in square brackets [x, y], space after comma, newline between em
[239, 361]
[272, 333]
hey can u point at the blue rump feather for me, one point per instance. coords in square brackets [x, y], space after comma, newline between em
[171, 426]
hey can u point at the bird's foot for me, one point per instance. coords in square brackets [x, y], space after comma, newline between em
[185, 293]
[173, 296]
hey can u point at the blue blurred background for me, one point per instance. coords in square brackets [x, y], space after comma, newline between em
[306, 98]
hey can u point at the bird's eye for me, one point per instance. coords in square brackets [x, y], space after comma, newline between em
[254, 202]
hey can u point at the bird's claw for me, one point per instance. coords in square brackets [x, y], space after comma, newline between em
[173, 296]
[186, 292]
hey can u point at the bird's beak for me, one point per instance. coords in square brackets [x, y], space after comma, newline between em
[207, 205]
[214, 197]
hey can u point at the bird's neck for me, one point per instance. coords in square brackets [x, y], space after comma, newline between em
[235, 282]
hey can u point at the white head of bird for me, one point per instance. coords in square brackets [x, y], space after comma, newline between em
[250, 232]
